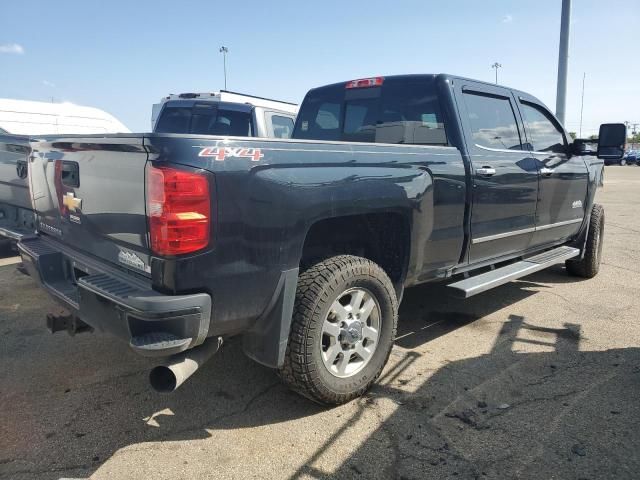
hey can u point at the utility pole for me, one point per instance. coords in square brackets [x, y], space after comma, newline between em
[496, 66]
[584, 75]
[224, 50]
[563, 60]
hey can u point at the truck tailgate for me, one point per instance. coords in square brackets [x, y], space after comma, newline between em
[14, 151]
[89, 193]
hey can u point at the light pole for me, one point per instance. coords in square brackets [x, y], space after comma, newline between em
[584, 75]
[563, 60]
[496, 66]
[224, 50]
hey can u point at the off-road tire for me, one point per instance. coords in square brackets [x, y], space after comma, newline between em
[589, 266]
[318, 286]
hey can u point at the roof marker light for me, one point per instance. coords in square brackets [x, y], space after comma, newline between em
[365, 82]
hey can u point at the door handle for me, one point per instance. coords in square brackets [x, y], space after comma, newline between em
[547, 172]
[486, 171]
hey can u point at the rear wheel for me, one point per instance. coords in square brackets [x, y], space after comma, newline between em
[589, 266]
[342, 330]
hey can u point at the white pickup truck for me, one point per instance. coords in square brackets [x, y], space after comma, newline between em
[224, 113]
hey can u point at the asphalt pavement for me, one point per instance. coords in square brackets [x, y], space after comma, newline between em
[536, 379]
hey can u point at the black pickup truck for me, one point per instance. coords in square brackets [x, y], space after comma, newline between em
[303, 247]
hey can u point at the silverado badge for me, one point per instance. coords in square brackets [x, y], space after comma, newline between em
[71, 202]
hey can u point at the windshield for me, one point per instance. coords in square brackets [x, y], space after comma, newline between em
[204, 119]
[403, 110]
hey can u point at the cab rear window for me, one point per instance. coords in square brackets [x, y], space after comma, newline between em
[399, 111]
[204, 119]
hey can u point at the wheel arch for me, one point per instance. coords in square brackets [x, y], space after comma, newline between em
[386, 242]
[383, 237]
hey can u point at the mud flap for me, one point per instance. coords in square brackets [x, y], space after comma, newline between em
[266, 341]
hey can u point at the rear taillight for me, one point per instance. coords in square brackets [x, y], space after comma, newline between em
[178, 209]
[365, 82]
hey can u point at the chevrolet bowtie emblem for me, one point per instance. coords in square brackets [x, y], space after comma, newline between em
[71, 202]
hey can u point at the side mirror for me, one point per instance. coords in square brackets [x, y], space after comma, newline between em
[611, 141]
[582, 146]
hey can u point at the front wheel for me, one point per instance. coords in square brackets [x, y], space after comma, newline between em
[623, 162]
[342, 331]
[589, 265]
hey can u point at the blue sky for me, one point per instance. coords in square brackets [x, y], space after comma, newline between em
[123, 56]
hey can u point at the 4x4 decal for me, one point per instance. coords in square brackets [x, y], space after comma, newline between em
[221, 153]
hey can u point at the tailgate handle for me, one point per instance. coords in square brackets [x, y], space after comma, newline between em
[70, 174]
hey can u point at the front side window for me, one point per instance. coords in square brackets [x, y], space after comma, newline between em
[493, 123]
[544, 136]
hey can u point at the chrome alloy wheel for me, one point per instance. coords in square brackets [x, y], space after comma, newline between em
[350, 332]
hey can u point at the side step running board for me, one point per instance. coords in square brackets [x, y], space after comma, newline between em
[485, 281]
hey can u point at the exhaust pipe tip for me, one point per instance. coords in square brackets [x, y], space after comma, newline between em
[166, 378]
[162, 379]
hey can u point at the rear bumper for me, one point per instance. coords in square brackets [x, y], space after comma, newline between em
[112, 301]
[11, 233]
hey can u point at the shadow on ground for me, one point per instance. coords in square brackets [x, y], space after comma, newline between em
[505, 414]
[563, 414]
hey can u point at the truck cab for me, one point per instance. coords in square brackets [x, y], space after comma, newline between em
[224, 113]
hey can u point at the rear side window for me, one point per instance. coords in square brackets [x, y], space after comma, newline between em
[400, 111]
[493, 122]
[543, 134]
[282, 126]
[204, 119]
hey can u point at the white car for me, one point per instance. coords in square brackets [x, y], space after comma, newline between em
[24, 117]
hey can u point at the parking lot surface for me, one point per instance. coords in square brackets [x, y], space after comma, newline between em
[537, 379]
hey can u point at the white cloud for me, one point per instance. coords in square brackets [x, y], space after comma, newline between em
[47, 83]
[12, 48]
[508, 18]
